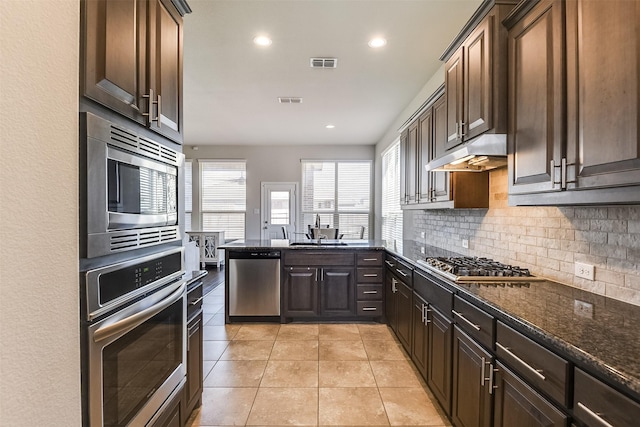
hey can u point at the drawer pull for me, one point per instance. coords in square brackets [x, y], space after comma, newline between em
[370, 259]
[371, 275]
[370, 292]
[389, 263]
[597, 416]
[369, 309]
[194, 302]
[461, 317]
[537, 372]
[401, 272]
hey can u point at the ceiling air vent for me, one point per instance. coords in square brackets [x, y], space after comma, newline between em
[323, 62]
[289, 100]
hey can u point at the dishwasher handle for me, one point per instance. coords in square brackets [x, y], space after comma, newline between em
[256, 254]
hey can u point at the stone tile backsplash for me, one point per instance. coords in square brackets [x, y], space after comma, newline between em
[547, 240]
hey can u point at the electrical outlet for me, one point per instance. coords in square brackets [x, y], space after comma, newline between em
[465, 243]
[586, 271]
[583, 309]
[422, 234]
[422, 250]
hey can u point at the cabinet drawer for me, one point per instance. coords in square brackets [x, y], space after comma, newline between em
[433, 293]
[595, 403]
[370, 275]
[369, 292]
[540, 367]
[370, 258]
[404, 272]
[369, 308]
[474, 321]
[194, 299]
[318, 258]
[390, 262]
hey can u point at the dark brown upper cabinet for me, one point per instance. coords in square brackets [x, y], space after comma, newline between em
[132, 60]
[574, 133]
[475, 76]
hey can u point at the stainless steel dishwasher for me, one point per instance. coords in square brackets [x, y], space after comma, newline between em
[254, 283]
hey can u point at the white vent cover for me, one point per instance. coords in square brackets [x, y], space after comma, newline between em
[289, 100]
[323, 62]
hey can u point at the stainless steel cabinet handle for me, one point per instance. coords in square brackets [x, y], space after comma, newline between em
[194, 302]
[462, 129]
[389, 263]
[370, 292]
[369, 308]
[467, 321]
[537, 372]
[491, 373]
[370, 259]
[393, 285]
[595, 415]
[482, 378]
[370, 275]
[316, 274]
[159, 110]
[402, 273]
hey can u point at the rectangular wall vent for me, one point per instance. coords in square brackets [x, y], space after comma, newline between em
[289, 100]
[323, 62]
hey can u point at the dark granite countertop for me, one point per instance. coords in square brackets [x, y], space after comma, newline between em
[607, 344]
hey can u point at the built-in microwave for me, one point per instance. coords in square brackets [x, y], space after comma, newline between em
[132, 187]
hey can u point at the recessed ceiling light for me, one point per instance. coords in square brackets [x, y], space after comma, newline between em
[262, 41]
[377, 42]
[330, 126]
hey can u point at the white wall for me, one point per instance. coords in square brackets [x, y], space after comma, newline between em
[273, 164]
[39, 313]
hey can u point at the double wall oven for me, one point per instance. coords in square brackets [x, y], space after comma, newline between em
[133, 313]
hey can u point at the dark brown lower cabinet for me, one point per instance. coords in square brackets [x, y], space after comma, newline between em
[338, 291]
[517, 404]
[439, 361]
[420, 342]
[472, 388]
[403, 307]
[300, 293]
[195, 374]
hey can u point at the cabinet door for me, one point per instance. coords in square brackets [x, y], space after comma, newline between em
[604, 131]
[419, 349]
[391, 310]
[439, 359]
[472, 366]
[536, 96]
[453, 81]
[517, 404]
[411, 163]
[403, 305]
[337, 287]
[425, 138]
[195, 376]
[404, 141]
[165, 70]
[440, 181]
[114, 55]
[478, 90]
[300, 292]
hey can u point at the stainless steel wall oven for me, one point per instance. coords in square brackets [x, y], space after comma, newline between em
[133, 339]
[131, 188]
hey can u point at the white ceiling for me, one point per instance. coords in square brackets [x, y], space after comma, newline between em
[231, 86]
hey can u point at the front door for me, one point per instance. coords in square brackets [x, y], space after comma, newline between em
[278, 209]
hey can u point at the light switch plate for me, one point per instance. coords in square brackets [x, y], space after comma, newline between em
[465, 243]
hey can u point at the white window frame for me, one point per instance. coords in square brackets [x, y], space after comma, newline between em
[391, 211]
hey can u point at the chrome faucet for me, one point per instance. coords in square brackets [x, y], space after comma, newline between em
[320, 237]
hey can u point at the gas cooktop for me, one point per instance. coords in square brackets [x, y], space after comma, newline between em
[474, 269]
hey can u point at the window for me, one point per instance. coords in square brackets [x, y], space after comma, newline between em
[224, 195]
[188, 194]
[340, 193]
[391, 212]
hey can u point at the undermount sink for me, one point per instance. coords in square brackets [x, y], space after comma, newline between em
[312, 243]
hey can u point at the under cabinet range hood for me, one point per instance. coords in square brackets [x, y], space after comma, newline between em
[486, 152]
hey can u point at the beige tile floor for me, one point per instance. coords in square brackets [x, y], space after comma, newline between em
[308, 374]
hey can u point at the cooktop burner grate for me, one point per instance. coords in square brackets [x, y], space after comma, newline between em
[475, 269]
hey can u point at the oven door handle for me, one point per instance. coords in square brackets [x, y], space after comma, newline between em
[138, 318]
